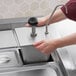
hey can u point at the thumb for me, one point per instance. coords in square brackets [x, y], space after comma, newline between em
[27, 25]
[38, 43]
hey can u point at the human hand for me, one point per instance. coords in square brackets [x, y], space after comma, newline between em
[41, 22]
[46, 46]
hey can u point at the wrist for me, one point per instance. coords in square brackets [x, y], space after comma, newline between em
[58, 43]
[42, 20]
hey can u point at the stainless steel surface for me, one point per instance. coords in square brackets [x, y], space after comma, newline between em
[65, 30]
[67, 62]
[25, 39]
[10, 23]
[55, 31]
[49, 20]
[30, 54]
[72, 52]
[7, 39]
[41, 72]
[4, 59]
[46, 69]
[12, 64]
[9, 58]
[33, 22]
[33, 34]
[9, 51]
[66, 56]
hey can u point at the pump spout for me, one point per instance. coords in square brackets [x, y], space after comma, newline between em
[48, 21]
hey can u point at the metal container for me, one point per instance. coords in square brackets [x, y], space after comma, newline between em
[9, 52]
[32, 55]
[29, 52]
[10, 58]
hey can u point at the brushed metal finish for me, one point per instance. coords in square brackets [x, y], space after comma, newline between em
[24, 35]
[30, 54]
[34, 70]
[66, 55]
[9, 58]
[41, 72]
[7, 39]
[4, 59]
[65, 30]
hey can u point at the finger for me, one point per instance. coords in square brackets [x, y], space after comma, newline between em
[38, 43]
[43, 51]
[27, 25]
[46, 50]
[41, 47]
[39, 25]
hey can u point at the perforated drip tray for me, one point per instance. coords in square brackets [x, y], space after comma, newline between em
[49, 69]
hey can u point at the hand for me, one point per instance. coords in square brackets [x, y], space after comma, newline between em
[46, 46]
[41, 22]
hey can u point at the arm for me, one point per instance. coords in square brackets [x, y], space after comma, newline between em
[58, 16]
[68, 40]
[48, 46]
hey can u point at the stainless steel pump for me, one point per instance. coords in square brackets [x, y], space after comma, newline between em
[33, 22]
